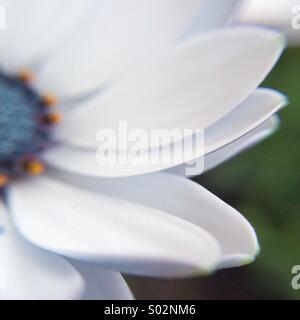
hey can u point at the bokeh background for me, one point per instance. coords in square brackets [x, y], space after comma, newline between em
[264, 184]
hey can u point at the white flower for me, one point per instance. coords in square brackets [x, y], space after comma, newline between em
[280, 14]
[62, 232]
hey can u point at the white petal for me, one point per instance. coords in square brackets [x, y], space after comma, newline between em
[191, 88]
[185, 199]
[253, 111]
[281, 14]
[30, 273]
[257, 108]
[88, 161]
[119, 33]
[102, 284]
[216, 14]
[114, 233]
[35, 28]
[255, 136]
[230, 150]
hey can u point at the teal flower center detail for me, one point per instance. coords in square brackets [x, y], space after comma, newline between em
[23, 133]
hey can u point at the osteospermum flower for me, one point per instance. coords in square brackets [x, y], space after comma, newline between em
[70, 225]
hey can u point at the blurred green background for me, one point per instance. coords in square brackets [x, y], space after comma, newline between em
[264, 184]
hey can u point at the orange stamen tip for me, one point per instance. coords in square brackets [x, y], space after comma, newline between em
[34, 167]
[26, 75]
[3, 180]
[50, 100]
[53, 118]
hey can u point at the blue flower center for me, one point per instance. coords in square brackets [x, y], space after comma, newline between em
[23, 133]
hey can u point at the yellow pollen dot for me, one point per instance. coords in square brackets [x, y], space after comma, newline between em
[3, 180]
[26, 75]
[53, 118]
[50, 100]
[34, 167]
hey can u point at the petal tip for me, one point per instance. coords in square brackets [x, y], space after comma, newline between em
[254, 249]
[239, 260]
[271, 36]
[280, 37]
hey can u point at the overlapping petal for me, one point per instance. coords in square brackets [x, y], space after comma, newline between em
[111, 232]
[30, 273]
[34, 29]
[192, 87]
[258, 107]
[178, 197]
[120, 33]
[230, 150]
[283, 15]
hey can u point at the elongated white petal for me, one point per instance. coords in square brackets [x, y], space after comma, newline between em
[230, 150]
[102, 284]
[255, 136]
[114, 233]
[191, 88]
[259, 106]
[281, 14]
[94, 162]
[35, 28]
[253, 111]
[220, 138]
[216, 14]
[185, 199]
[30, 273]
[119, 33]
